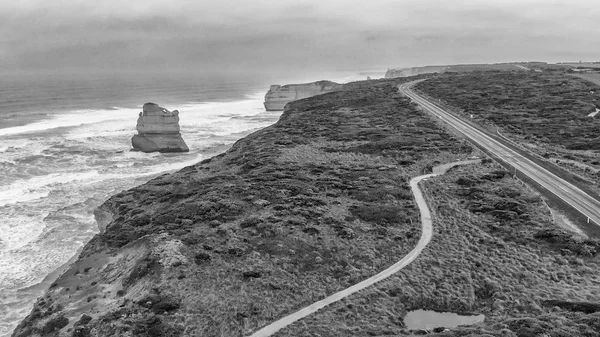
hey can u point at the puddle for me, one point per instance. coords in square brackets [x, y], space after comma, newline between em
[427, 320]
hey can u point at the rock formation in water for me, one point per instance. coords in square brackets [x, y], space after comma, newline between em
[278, 96]
[158, 131]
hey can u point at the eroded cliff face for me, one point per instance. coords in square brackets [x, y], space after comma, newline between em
[103, 216]
[278, 96]
[158, 131]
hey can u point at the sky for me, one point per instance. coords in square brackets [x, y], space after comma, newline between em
[299, 35]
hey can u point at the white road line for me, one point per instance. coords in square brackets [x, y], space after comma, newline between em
[564, 190]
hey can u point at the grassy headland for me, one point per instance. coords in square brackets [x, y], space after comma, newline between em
[290, 214]
[310, 206]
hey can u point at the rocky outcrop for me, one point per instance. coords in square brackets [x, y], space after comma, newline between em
[278, 96]
[158, 131]
[103, 216]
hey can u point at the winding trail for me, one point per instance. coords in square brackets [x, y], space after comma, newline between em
[426, 235]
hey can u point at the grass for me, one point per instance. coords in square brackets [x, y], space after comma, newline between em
[292, 213]
[594, 77]
[309, 206]
[547, 112]
[481, 261]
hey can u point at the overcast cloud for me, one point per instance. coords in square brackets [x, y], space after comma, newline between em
[303, 34]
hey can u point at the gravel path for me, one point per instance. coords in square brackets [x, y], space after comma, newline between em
[426, 234]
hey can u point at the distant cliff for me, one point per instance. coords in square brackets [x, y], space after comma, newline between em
[312, 205]
[278, 96]
[461, 68]
[392, 73]
[158, 131]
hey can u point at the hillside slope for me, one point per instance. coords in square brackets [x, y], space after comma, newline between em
[304, 208]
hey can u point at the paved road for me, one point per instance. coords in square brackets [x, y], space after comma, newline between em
[569, 193]
[521, 67]
[426, 235]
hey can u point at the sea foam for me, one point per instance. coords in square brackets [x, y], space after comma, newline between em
[59, 169]
[38, 187]
[70, 119]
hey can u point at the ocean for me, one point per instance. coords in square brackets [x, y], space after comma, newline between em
[65, 143]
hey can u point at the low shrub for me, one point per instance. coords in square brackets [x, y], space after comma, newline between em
[382, 214]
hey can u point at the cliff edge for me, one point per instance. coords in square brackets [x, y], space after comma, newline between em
[462, 68]
[406, 72]
[158, 131]
[278, 96]
[307, 207]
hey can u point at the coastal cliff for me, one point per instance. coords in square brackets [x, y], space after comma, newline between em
[158, 130]
[302, 209]
[465, 68]
[406, 72]
[278, 96]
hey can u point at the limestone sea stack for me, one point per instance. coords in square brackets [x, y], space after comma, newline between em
[158, 131]
[278, 96]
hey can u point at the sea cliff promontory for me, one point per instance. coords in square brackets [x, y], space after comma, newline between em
[312, 205]
[406, 72]
[158, 130]
[278, 96]
[467, 68]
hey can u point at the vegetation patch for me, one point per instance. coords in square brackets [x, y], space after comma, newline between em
[292, 213]
[546, 113]
[479, 262]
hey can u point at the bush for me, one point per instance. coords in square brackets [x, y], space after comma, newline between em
[55, 324]
[495, 175]
[155, 327]
[250, 222]
[382, 214]
[381, 194]
[160, 303]
[200, 258]
[464, 181]
[85, 319]
[585, 307]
